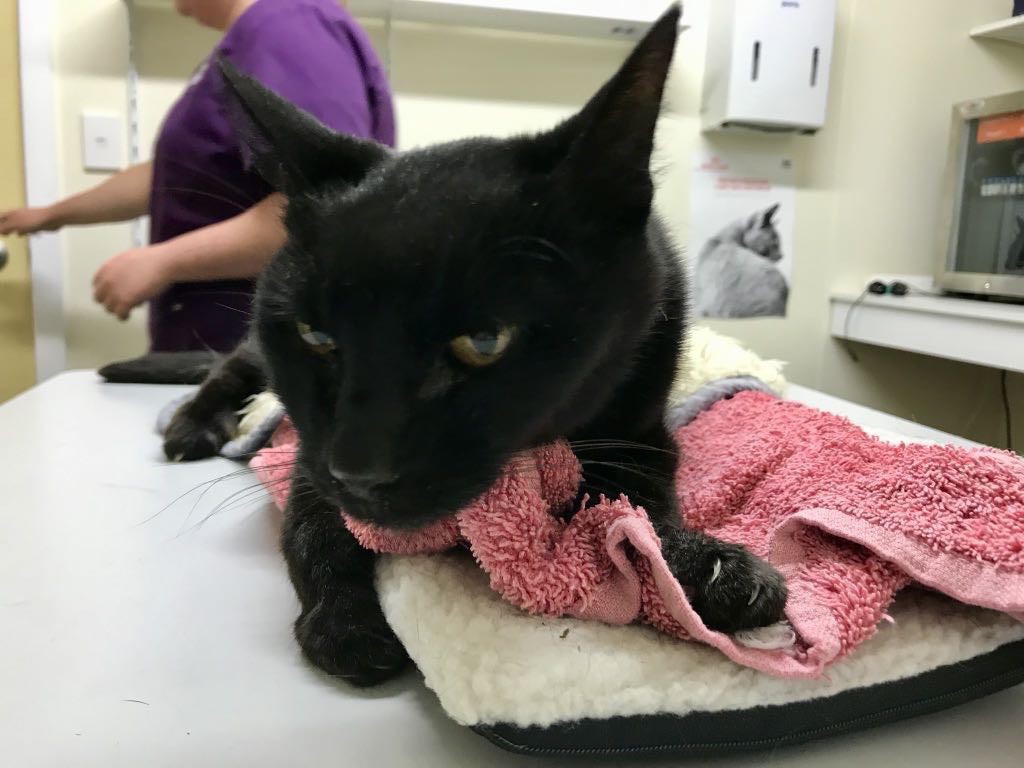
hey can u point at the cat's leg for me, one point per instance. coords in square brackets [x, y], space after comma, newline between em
[341, 629]
[202, 426]
[731, 588]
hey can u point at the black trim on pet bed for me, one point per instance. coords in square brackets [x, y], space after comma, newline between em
[762, 728]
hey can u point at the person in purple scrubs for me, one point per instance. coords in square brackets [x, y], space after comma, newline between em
[214, 223]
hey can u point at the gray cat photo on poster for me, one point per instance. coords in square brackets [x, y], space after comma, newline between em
[736, 273]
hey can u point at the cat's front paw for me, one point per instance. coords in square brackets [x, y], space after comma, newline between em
[349, 638]
[188, 438]
[738, 591]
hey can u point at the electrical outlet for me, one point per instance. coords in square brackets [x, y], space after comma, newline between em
[101, 142]
[924, 283]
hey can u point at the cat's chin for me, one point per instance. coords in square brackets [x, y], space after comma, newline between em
[399, 511]
[386, 514]
[396, 522]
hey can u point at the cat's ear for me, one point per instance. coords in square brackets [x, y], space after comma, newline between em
[290, 148]
[607, 145]
[767, 220]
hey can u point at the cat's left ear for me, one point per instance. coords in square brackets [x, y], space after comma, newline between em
[290, 148]
[768, 215]
[607, 146]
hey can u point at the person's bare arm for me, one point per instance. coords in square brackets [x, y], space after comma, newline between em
[238, 247]
[123, 196]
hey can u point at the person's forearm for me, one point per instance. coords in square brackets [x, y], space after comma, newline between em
[123, 196]
[236, 248]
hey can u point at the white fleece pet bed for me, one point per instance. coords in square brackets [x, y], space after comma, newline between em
[563, 686]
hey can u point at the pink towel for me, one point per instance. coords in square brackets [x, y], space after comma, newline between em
[848, 519]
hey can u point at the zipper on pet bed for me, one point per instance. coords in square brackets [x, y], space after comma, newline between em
[801, 737]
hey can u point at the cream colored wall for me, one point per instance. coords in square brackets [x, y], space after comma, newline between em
[679, 140]
[868, 182]
[91, 52]
[868, 199]
[904, 66]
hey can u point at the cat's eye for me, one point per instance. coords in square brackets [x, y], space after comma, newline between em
[481, 349]
[318, 341]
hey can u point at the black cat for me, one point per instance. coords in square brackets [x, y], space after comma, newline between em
[435, 312]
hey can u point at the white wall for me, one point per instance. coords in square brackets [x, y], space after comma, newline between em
[868, 198]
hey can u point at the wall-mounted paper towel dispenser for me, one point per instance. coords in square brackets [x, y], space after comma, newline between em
[767, 65]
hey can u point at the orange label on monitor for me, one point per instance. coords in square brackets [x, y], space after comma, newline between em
[1001, 128]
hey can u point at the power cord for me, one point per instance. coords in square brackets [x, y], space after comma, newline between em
[1008, 416]
[879, 288]
[900, 288]
[846, 323]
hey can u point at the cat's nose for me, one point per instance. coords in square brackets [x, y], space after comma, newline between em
[363, 485]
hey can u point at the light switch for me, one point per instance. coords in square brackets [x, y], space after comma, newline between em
[101, 142]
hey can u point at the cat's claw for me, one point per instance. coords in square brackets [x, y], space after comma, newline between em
[188, 438]
[716, 572]
[754, 594]
[741, 592]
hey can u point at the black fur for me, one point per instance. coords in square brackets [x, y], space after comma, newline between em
[204, 424]
[392, 256]
[162, 368]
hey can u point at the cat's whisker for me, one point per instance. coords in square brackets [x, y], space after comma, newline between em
[207, 484]
[645, 472]
[197, 502]
[219, 292]
[233, 309]
[255, 493]
[231, 502]
[239, 498]
[634, 497]
[580, 445]
[201, 193]
[245, 196]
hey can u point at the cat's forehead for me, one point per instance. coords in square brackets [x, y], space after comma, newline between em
[425, 204]
[445, 173]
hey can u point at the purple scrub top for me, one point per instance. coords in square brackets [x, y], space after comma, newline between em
[312, 53]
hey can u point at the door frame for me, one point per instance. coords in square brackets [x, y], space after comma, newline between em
[36, 29]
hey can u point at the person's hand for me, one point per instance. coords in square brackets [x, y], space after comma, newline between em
[128, 279]
[25, 221]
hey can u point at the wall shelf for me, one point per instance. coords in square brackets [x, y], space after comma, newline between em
[978, 332]
[610, 19]
[1009, 30]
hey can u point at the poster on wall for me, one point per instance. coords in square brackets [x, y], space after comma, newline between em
[741, 234]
